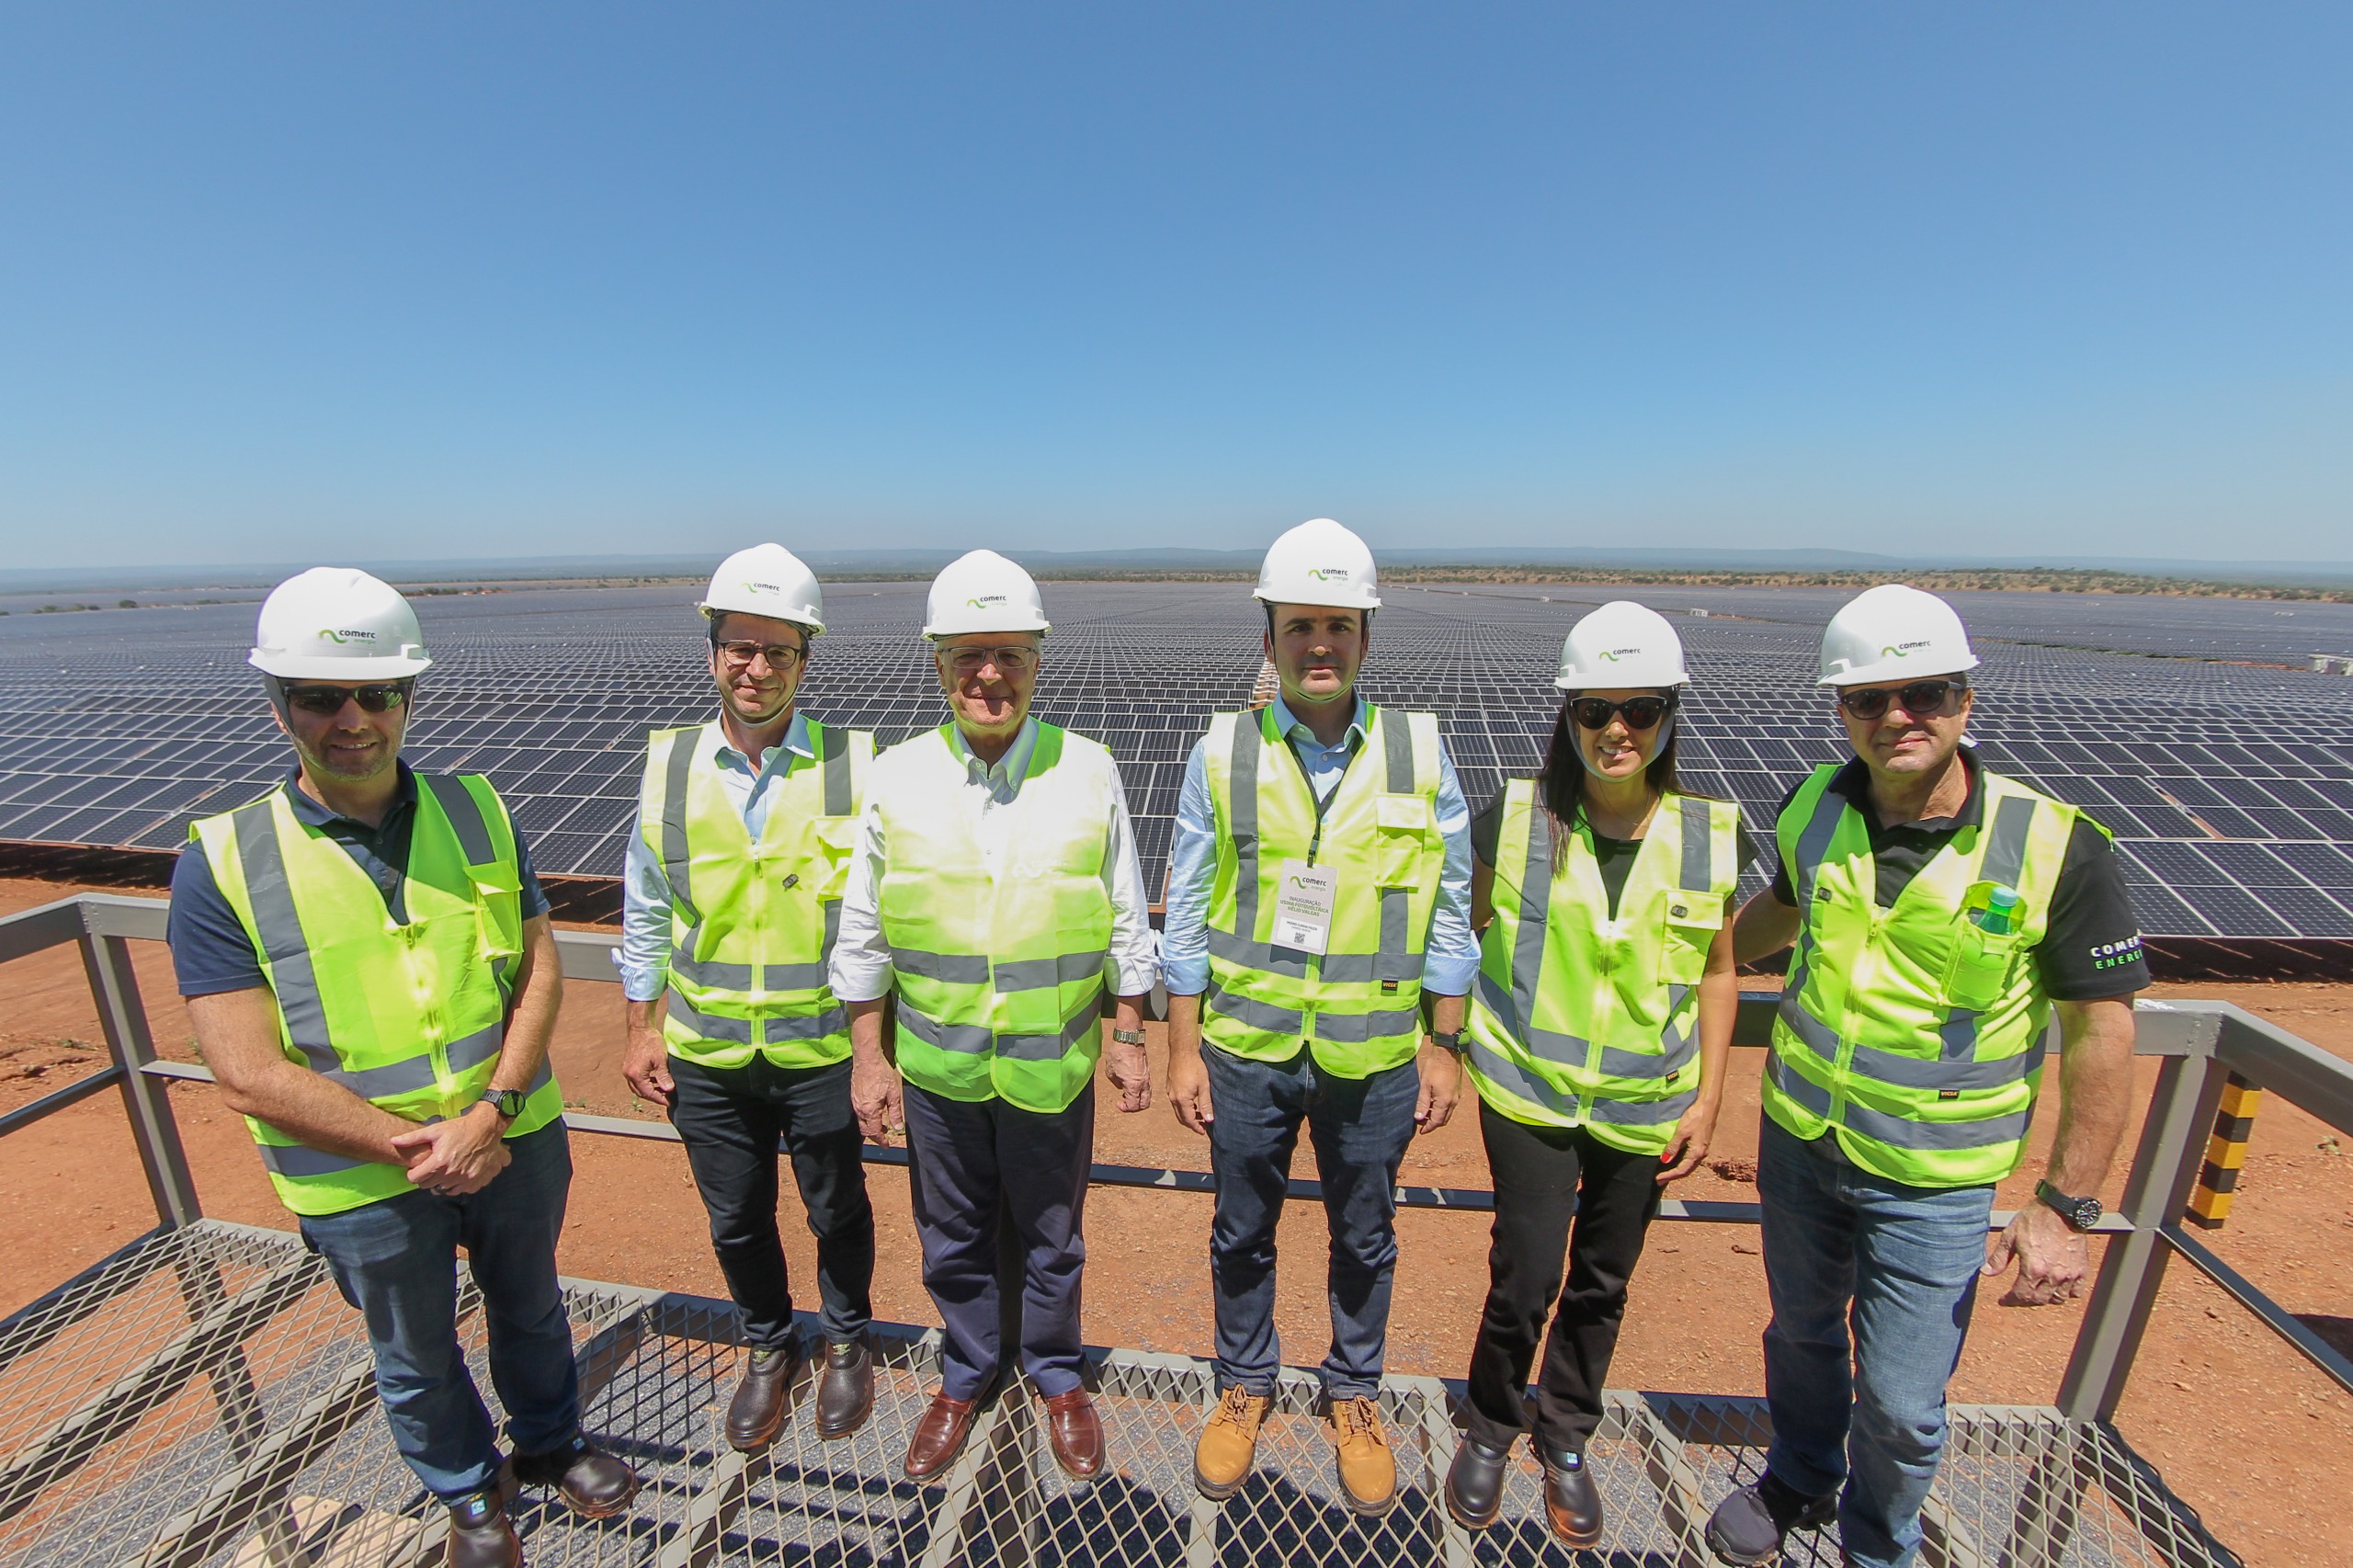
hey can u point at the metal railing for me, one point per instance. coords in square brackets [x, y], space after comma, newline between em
[2199, 1045]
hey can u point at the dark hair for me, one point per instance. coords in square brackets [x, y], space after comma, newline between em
[1561, 784]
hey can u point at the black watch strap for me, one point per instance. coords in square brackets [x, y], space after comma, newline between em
[2082, 1213]
[1451, 1041]
[508, 1102]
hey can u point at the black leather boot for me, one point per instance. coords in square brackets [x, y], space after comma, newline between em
[480, 1536]
[1572, 1502]
[1474, 1484]
[846, 1390]
[593, 1483]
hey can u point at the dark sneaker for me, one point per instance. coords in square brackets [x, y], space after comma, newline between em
[1748, 1526]
[480, 1536]
[593, 1483]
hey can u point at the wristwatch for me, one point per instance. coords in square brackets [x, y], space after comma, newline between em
[508, 1101]
[1452, 1041]
[1128, 1036]
[2081, 1214]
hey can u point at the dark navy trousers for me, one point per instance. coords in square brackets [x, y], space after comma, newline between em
[968, 1162]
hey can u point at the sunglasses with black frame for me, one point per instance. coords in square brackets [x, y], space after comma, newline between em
[1921, 699]
[326, 698]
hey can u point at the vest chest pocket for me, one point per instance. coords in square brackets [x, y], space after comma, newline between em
[1403, 824]
[498, 904]
[1692, 922]
[1977, 968]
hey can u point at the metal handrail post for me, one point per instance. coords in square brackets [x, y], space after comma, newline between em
[2164, 1167]
[146, 1100]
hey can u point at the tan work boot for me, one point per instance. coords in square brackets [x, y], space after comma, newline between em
[1229, 1444]
[1368, 1474]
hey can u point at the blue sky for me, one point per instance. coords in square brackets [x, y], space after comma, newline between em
[430, 280]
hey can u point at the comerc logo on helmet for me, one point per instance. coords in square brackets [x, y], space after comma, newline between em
[982, 601]
[1904, 650]
[1328, 574]
[752, 587]
[346, 635]
[1614, 655]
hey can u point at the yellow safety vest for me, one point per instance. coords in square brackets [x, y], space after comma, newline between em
[752, 924]
[998, 971]
[1359, 1006]
[410, 1018]
[1912, 1031]
[1581, 1019]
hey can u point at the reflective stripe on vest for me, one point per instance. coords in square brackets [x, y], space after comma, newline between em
[409, 1017]
[1916, 1034]
[752, 926]
[1581, 1017]
[1358, 1006]
[998, 969]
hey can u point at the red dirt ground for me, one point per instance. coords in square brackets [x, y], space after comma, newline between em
[2242, 1428]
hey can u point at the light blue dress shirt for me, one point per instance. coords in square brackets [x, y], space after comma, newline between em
[1452, 959]
[645, 886]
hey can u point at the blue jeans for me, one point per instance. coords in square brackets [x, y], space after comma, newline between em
[1900, 1263]
[396, 1261]
[1360, 1127]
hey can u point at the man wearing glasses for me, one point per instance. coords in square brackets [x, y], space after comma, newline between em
[1939, 912]
[1319, 888]
[994, 892]
[368, 962]
[732, 895]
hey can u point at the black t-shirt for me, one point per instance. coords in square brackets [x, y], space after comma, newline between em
[1614, 856]
[2091, 946]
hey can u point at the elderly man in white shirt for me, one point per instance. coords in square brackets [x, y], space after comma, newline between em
[995, 894]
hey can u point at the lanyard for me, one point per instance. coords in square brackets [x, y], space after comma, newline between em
[1324, 801]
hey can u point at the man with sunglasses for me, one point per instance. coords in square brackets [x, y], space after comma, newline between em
[730, 899]
[368, 961]
[1940, 912]
[994, 895]
[1319, 891]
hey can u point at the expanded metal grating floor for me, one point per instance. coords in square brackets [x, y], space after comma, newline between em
[206, 1398]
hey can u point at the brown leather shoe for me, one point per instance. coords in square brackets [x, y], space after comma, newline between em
[1076, 1431]
[756, 1413]
[846, 1391]
[480, 1536]
[593, 1483]
[940, 1436]
[1572, 1502]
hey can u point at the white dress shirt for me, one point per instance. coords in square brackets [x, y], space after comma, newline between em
[861, 966]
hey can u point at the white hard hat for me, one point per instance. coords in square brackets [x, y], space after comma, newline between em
[982, 592]
[770, 580]
[1320, 563]
[1894, 633]
[1622, 643]
[338, 623]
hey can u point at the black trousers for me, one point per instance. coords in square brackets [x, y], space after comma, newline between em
[1545, 1179]
[730, 1119]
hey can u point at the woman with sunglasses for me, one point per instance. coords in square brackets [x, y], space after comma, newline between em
[1598, 1033]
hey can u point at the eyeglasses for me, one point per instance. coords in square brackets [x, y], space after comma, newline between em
[1012, 661]
[1921, 699]
[779, 655]
[1640, 712]
[328, 700]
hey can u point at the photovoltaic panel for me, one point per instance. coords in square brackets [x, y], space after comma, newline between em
[2229, 785]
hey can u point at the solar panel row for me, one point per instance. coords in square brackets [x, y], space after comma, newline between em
[2230, 787]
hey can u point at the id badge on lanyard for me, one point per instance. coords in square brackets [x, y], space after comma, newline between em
[1304, 896]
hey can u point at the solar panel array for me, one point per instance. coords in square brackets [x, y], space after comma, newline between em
[2230, 786]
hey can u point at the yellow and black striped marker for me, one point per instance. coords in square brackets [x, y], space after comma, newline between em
[2210, 1203]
